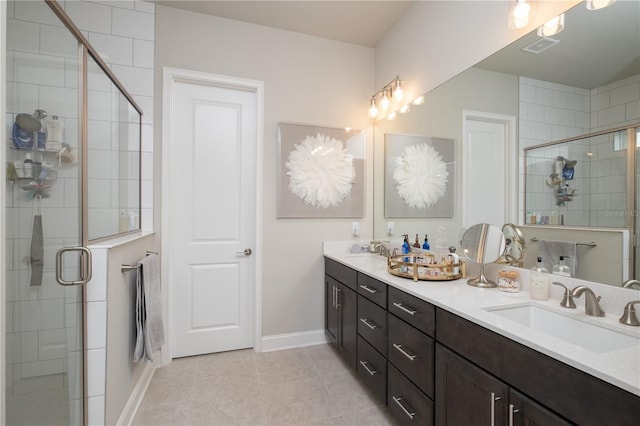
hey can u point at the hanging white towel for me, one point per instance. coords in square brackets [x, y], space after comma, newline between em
[551, 250]
[149, 325]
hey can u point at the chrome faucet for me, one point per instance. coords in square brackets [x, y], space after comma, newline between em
[591, 305]
[631, 283]
[629, 316]
[567, 298]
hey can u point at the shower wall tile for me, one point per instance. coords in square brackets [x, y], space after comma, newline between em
[146, 104]
[22, 97]
[138, 81]
[633, 110]
[99, 134]
[113, 49]
[71, 73]
[625, 94]
[96, 408]
[35, 12]
[611, 116]
[133, 24]
[8, 316]
[58, 41]
[89, 16]
[99, 193]
[143, 56]
[39, 69]
[39, 368]
[59, 101]
[52, 344]
[145, 6]
[22, 347]
[96, 366]
[100, 164]
[147, 138]
[96, 314]
[23, 36]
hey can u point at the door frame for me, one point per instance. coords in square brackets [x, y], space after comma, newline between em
[511, 160]
[170, 77]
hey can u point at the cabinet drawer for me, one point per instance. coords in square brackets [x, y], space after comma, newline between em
[416, 312]
[407, 403]
[372, 369]
[342, 273]
[372, 324]
[372, 289]
[412, 352]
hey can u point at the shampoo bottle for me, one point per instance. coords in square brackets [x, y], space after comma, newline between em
[539, 286]
[28, 166]
[561, 268]
[425, 245]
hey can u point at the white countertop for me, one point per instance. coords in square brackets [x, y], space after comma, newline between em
[618, 367]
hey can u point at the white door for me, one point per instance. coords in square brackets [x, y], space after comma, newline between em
[487, 180]
[213, 135]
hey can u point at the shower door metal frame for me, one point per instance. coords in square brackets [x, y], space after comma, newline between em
[85, 49]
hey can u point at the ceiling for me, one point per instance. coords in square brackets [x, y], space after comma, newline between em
[361, 22]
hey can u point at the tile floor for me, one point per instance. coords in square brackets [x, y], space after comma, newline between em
[302, 386]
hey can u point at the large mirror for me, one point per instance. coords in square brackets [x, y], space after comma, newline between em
[575, 84]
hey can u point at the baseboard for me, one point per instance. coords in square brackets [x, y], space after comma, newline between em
[293, 340]
[131, 408]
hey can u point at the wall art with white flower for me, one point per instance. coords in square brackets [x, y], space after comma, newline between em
[320, 172]
[419, 176]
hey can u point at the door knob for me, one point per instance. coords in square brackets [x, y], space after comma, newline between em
[246, 252]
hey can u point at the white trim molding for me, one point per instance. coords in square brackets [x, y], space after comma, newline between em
[279, 342]
[135, 399]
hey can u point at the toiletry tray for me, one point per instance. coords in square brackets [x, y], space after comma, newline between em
[423, 266]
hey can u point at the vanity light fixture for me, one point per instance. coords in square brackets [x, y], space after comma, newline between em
[404, 109]
[386, 98]
[418, 101]
[519, 15]
[553, 27]
[599, 4]
[392, 116]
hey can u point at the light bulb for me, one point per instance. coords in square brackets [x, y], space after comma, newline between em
[599, 4]
[404, 109]
[418, 101]
[519, 16]
[384, 102]
[552, 27]
[392, 116]
[373, 109]
[397, 91]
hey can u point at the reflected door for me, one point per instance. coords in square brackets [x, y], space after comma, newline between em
[44, 332]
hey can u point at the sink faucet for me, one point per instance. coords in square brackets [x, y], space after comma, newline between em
[384, 251]
[591, 305]
[631, 283]
[629, 316]
[567, 298]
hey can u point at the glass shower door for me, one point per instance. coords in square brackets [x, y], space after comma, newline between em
[44, 333]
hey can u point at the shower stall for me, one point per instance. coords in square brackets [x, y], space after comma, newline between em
[72, 144]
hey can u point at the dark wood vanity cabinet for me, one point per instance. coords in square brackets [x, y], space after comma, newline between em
[435, 367]
[341, 309]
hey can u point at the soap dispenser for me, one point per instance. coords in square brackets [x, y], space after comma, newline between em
[561, 268]
[406, 247]
[539, 286]
[417, 243]
[425, 245]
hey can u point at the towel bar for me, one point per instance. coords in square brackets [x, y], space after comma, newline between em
[591, 244]
[127, 268]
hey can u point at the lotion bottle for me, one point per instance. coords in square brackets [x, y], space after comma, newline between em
[539, 286]
[425, 245]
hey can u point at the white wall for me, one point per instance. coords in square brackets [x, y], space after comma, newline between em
[307, 80]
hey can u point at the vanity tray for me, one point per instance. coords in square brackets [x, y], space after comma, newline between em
[423, 267]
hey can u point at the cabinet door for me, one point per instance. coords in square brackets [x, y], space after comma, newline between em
[467, 395]
[348, 329]
[406, 402]
[372, 370]
[524, 411]
[331, 310]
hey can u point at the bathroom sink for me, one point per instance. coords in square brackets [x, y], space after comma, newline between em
[567, 328]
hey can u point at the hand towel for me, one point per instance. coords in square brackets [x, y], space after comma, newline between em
[551, 250]
[149, 324]
[36, 250]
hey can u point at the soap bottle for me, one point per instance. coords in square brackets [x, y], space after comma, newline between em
[425, 245]
[406, 247]
[28, 166]
[539, 286]
[417, 243]
[561, 268]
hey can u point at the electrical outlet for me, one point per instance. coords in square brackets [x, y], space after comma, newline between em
[390, 228]
[355, 229]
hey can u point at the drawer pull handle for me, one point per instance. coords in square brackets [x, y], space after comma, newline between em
[494, 398]
[512, 411]
[409, 413]
[404, 308]
[366, 367]
[403, 352]
[369, 289]
[368, 324]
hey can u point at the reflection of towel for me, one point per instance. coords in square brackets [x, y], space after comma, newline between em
[550, 251]
[36, 252]
[149, 326]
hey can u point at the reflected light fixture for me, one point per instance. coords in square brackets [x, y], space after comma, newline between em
[418, 101]
[599, 4]
[553, 27]
[386, 98]
[519, 15]
[392, 116]
[404, 109]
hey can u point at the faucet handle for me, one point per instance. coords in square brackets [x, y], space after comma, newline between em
[567, 298]
[629, 316]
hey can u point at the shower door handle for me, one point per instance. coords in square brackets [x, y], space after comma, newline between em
[85, 266]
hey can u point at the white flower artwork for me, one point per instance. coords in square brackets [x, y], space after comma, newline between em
[320, 171]
[420, 176]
